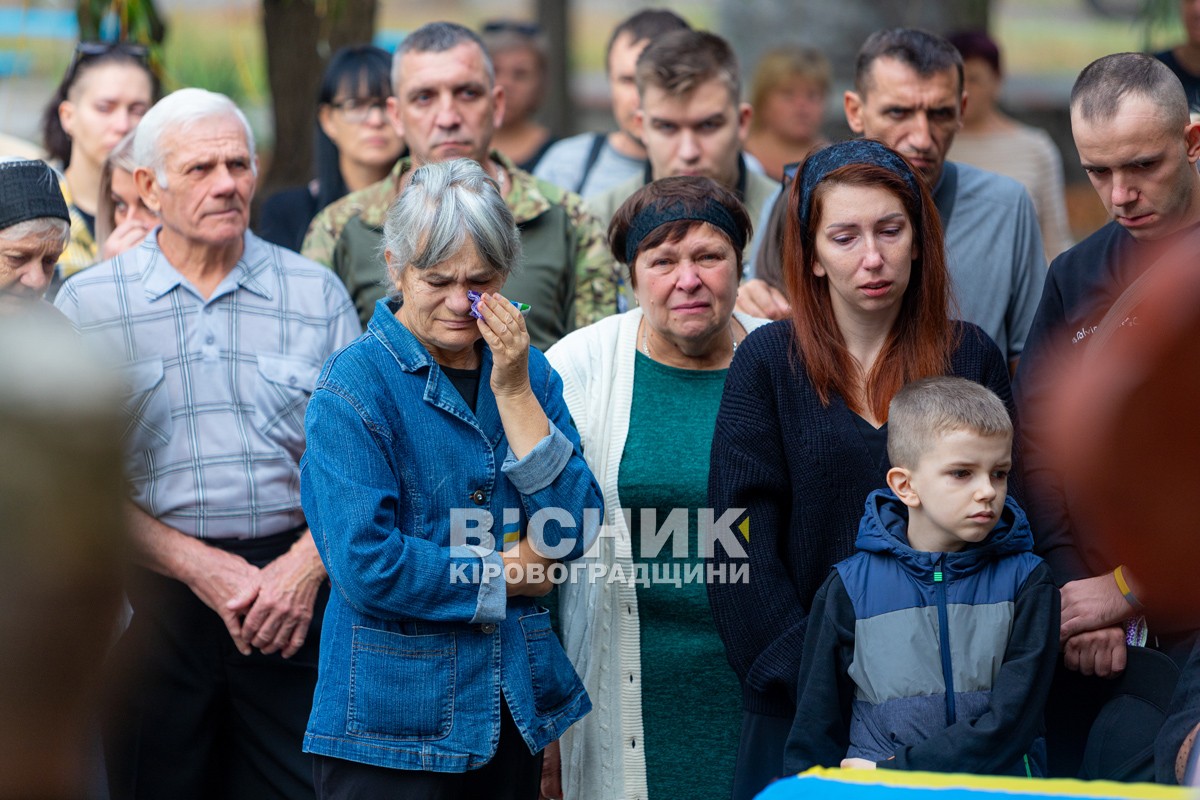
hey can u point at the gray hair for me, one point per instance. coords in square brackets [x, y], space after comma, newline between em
[931, 407]
[177, 113]
[1105, 83]
[438, 37]
[47, 228]
[444, 204]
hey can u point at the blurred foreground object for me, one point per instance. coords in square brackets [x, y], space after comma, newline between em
[61, 542]
[1126, 426]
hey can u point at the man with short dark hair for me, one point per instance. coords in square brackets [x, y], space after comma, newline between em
[908, 94]
[447, 105]
[219, 337]
[591, 163]
[1129, 118]
[692, 122]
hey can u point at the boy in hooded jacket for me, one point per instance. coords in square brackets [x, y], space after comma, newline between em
[933, 647]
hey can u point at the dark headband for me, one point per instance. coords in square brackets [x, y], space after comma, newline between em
[856, 151]
[651, 217]
[29, 190]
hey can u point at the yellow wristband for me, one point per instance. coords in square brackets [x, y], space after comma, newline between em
[1123, 586]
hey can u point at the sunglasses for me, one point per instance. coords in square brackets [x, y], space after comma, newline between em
[87, 50]
[512, 26]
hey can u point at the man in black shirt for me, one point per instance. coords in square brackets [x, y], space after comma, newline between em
[1129, 117]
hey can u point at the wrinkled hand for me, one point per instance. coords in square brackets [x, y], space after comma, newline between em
[857, 763]
[1091, 604]
[760, 299]
[126, 235]
[218, 580]
[517, 561]
[503, 329]
[551, 773]
[278, 610]
[1100, 653]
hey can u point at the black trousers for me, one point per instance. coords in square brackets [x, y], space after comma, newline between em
[760, 753]
[188, 717]
[1104, 728]
[512, 774]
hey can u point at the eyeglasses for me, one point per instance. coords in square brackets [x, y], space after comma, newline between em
[356, 110]
[529, 29]
[87, 50]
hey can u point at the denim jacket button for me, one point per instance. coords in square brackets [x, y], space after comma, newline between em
[487, 627]
[479, 497]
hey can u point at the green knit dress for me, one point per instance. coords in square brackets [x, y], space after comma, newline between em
[691, 700]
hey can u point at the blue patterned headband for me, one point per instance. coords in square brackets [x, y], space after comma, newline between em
[856, 151]
[649, 218]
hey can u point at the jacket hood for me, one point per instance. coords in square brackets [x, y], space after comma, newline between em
[884, 529]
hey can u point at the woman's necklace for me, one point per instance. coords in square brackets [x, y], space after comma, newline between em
[646, 339]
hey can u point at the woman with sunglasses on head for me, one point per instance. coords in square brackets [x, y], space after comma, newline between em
[103, 95]
[356, 144]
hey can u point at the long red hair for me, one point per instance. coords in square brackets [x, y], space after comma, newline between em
[922, 338]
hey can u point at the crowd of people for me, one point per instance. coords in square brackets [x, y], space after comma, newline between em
[446, 478]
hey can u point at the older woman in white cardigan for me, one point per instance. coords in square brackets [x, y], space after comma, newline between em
[643, 388]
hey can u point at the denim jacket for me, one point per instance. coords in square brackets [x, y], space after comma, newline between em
[419, 638]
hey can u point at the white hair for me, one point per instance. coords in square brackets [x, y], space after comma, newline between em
[176, 113]
[444, 204]
[48, 228]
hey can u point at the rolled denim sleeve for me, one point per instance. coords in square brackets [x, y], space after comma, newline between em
[541, 465]
[492, 601]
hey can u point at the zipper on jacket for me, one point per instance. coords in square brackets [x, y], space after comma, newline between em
[939, 590]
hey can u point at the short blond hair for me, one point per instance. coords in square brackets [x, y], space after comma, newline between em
[929, 408]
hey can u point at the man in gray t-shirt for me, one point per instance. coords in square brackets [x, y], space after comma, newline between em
[590, 163]
[908, 94]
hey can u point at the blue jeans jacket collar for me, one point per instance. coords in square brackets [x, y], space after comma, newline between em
[412, 356]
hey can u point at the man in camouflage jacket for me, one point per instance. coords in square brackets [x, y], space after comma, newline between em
[446, 106]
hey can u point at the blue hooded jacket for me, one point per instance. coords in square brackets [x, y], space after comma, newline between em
[947, 657]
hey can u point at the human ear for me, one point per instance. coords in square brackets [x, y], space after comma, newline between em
[1191, 135]
[499, 102]
[639, 124]
[899, 480]
[393, 115]
[852, 102]
[66, 116]
[148, 189]
[745, 114]
[325, 119]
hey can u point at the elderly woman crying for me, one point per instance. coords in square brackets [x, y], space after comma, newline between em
[438, 444]
[644, 388]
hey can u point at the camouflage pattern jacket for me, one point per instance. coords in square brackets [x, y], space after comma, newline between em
[566, 272]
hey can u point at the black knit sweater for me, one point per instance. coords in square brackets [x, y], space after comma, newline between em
[802, 471]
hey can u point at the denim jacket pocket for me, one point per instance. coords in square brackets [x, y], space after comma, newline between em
[553, 677]
[401, 687]
[281, 396]
[147, 405]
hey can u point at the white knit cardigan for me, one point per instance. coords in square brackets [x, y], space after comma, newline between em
[602, 755]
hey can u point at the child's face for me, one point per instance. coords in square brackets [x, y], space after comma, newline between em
[957, 490]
